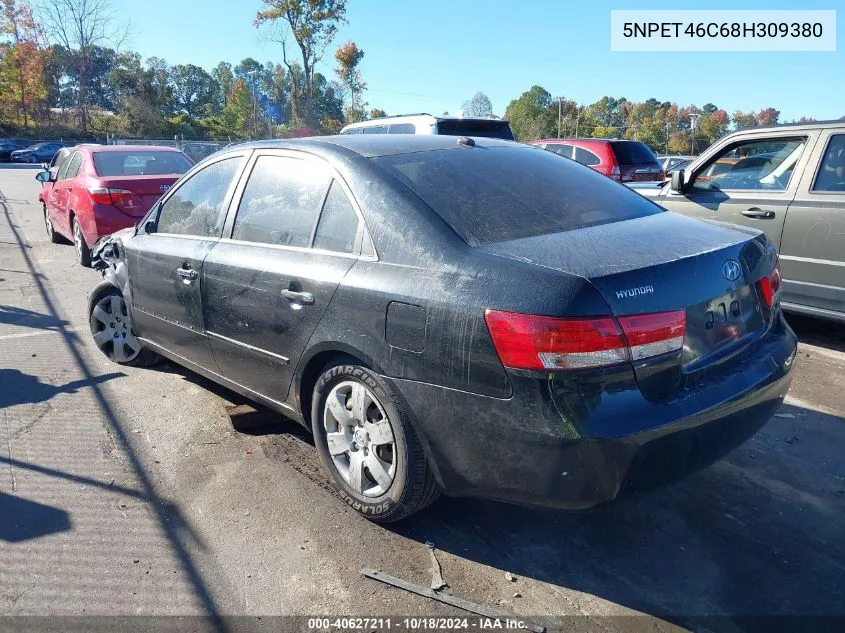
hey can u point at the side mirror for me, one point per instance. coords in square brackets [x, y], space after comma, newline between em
[43, 176]
[45, 166]
[149, 227]
[677, 183]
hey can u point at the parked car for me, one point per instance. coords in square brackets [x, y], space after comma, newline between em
[38, 153]
[473, 316]
[671, 163]
[427, 124]
[623, 161]
[9, 145]
[788, 181]
[100, 189]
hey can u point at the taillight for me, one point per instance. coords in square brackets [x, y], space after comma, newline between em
[616, 174]
[123, 199]
[769, 287]
[525, 341]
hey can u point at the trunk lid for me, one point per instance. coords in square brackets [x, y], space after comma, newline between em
[666, 262]
[147, 190]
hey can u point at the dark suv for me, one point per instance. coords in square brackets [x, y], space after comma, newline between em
[623, 161]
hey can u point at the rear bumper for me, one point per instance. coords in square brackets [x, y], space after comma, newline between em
[105, 220]
[579, 443]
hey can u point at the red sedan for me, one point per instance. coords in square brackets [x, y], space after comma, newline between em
[99, 189]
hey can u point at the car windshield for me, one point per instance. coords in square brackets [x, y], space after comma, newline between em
[497, 194]
[475, 127]
[140, 163]
[632, 153]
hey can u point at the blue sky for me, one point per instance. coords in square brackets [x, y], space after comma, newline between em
[431, 56]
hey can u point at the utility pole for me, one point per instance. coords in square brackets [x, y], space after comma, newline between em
[254, 113]
[559, 99]
[693, 119]
[577, 119]
[667, 135]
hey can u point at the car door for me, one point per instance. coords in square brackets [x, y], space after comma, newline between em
[165, 261]
[59, 195]
[756, 185]
[812, 252]
[267, 285]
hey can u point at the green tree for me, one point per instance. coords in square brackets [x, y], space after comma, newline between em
[479, 105]
[193, 90]
[225, 78]
[530, 115]
[377, 113]
[744, 119]
[313, 25]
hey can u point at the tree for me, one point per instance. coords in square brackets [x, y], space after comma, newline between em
[80, 26]
[744, 119]
[24, 58]
[479, 105]
[313, 24]
[377, 113]
[224, 78]
[768, 117]
[193, 90]
[348, 59]
[531, 116]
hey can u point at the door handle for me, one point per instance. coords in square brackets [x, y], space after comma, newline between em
[759, 214]
[305, 298]
[187, 274]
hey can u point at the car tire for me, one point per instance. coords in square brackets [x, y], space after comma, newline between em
[352, 447]
[83, 253]
[55, 238]
[111, 328]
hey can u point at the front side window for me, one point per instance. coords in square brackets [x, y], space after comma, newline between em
[762, 164]
[197, 206]
[281, 201]
[338, 226]
[832, 172]
[375, 129]
[72, 168]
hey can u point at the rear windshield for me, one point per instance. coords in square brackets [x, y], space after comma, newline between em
[492, 195]
[469, 127]
[632, 153]
[140, 163]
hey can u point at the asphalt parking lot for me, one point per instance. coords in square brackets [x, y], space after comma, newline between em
[129, 492]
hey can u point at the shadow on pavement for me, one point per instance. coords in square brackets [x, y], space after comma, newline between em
[173, 525]
[28, 318]
[24, 519]
[21, 388]
[819, 332]
[761, 533]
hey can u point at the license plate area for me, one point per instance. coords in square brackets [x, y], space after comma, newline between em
[720, 326]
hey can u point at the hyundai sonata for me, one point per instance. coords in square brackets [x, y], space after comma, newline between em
[468, 316]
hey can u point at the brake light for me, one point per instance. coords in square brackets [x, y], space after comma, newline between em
[615, 173]
[525, 341]
[769, 287]
[123, 199]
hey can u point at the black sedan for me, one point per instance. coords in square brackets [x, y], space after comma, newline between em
[38, 153]
[9, 145]
[471, 316]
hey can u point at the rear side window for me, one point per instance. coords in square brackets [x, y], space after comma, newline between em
[832, 172]
[586, 157]
[632, 153]
[493, 128]
[196, 206]
[505, 193]
[375, 129]
[564, 149]
[73, 166]
[338, 227]
[401, 128]
[140, 163]
[281, 202]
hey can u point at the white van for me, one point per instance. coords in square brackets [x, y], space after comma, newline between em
[428, 124]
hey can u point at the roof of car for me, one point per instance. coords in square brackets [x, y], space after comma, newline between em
[585, 139]
[802, 125]
[130, 148]
[371, 145]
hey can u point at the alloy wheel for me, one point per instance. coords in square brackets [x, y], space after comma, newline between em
[113, 330]
[360, 439]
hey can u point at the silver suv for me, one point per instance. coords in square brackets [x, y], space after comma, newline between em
[428, 124]
[788, 181]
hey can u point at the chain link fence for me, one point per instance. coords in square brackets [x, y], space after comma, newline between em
[197, 150]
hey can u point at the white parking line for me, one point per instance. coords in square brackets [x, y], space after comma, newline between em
[798, 402]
